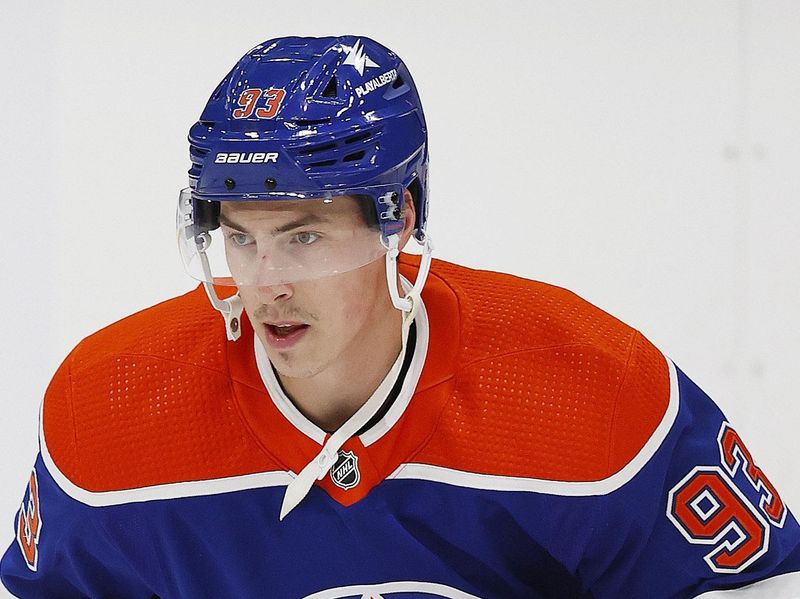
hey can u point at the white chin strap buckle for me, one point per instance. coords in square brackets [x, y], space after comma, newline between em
[231, 310]
[410, 303]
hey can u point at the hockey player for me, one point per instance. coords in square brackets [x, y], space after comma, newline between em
[365, 424]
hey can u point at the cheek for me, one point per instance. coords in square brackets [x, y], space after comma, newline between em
[349, 306]
[359, 294]
[355, 309]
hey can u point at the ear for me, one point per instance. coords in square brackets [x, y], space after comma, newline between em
[409, 216]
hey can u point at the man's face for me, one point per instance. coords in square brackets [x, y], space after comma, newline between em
[307, 325]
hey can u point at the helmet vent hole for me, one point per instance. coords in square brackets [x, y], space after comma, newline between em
[358, 137]
[302, 122]
[315, 149]
[322, 163]
[354, 156]
[398, 81]
[330, 90]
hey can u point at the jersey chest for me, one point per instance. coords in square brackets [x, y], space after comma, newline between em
[406, 539]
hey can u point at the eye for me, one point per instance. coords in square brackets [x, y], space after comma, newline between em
[240, 239]
[306, 237]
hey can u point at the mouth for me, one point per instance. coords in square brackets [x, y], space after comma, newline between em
[283, 335]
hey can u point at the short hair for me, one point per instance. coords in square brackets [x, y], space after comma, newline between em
[366, 205]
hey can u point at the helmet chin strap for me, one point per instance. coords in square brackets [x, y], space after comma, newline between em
[230, 308]
[410, 303]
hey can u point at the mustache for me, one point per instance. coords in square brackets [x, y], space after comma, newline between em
[265, 312]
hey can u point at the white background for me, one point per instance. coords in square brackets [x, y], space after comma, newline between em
[644, 154]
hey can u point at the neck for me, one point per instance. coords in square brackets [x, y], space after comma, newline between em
[331, 397]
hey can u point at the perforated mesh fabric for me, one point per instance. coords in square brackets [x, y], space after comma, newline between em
[641, 403]
[539, 390]
[505, 313]
[148, 401]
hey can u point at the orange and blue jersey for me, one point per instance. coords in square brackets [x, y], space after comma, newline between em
[534, 447]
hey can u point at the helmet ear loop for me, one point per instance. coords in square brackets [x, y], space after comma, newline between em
[230, 308]
[411, 302]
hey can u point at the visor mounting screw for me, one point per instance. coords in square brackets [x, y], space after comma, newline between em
[270, 183]
[234, 324]
[230, 184]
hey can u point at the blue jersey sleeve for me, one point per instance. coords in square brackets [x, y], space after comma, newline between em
[700, 519]
[62, 548]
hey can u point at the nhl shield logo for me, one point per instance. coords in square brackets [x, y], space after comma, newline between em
[345, 472]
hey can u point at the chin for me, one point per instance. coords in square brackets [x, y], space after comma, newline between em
[298, 371]
[293, 366]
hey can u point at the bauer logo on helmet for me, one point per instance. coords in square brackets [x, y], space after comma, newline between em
[245, 158]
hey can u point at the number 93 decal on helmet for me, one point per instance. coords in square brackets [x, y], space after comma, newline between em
[303, 161]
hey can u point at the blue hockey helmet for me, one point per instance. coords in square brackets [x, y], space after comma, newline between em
[313, 115]
[311, 119]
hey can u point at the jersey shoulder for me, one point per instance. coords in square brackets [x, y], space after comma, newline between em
[548, 385]
[147, 401]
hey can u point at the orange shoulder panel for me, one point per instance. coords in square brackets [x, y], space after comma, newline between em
[543, 385]
[148, 401]
[548, 386]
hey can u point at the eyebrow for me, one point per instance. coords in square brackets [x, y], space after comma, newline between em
[306, 219]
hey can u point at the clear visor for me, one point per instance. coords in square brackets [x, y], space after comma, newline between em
[275, 240]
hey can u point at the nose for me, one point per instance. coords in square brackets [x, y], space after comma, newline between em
[276, 293]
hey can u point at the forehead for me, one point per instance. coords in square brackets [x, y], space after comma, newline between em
[329, 209]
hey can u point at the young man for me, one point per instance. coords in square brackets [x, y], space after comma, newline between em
[361, 425]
